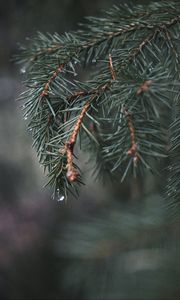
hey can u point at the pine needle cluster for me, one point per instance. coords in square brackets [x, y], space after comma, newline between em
[111, 87]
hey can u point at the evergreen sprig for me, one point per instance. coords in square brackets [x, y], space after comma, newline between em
[130, 59]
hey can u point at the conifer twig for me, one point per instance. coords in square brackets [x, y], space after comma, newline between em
[133, 149]
[72, 173]
[45, 91]
[112, 68]
[48, 50]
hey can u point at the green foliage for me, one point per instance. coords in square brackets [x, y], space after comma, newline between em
[122, 111]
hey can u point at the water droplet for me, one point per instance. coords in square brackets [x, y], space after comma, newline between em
[94, 60]
[151, 68]
[75, 74]
[23, 70]
[106, 150]
[61, 198]
[25, 118]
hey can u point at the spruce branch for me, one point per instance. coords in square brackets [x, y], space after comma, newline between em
[53, 77]
[118, 113]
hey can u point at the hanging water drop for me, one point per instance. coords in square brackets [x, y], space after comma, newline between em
[94, 60]
[59, 196]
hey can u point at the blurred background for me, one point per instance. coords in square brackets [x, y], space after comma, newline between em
[111, 243]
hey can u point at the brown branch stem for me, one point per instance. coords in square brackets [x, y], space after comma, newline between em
[72, 173]
[113, 74]
[144, 87]
[45, 91]
[133, 151]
